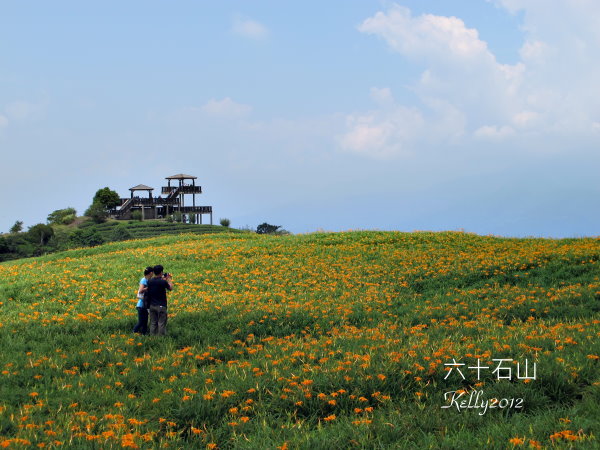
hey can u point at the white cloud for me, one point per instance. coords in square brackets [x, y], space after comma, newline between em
[249, 28]
[225, 108]
[382, 135]
[465, 92]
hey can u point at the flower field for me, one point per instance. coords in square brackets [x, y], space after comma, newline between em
[329, 340]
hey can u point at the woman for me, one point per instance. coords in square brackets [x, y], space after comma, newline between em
[142, 325]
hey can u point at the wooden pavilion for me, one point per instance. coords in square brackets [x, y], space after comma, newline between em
[162, 207]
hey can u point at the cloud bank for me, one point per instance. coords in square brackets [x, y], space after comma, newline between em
[465, 95]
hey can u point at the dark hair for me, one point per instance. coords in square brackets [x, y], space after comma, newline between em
[158, 269]
[148, 270]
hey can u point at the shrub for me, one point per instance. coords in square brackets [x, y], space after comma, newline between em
[121, 233]
[225, 222]
[137, 215]
[60, 240]
[88, 237]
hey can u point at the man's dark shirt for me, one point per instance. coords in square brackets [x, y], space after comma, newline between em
[157, 290]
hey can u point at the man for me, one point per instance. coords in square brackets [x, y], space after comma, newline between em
[157, 291]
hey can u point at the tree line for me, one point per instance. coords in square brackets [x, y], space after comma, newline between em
[64, 229]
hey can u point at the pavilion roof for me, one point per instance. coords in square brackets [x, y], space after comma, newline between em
[141, 187]
[182, 176]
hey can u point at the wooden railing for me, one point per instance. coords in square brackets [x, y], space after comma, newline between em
[171, 190]
[196, 209]
[155, 201]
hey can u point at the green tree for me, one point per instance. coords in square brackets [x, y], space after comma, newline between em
[107, 198]
[265, 228]
[225, 222]
[17, 227]
[40, 233]
[62, 216]
[97, 212]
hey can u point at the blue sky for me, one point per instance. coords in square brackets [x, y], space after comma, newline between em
[356, 114]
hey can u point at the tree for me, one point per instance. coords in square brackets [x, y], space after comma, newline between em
[265, 228]
[17, 227]
[97, 212]
[62, 216]
[225, 222]
[107, 198]
[40, 233]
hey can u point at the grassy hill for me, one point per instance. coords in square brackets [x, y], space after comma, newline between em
[151, 228]
[83, 232]
[334, 340]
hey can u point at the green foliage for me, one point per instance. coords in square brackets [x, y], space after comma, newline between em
[97, 212]
[17, 227]
[86, 238]
[89, 233]
[136, 215]
[17, 246]
[265, 228]
[62, 216]
[177, 217]
[121, 233]
[61, 238]
[40, 233]
[107, 198]
[225, 222]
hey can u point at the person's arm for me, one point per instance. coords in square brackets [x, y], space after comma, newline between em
[143, 288]
[169, 282]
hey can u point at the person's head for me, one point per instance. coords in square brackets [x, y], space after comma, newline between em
[158, 270]
[148, 271]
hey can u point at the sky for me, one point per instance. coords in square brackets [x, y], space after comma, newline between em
[474, 115]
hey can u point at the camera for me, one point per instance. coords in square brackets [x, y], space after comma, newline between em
[166, 275]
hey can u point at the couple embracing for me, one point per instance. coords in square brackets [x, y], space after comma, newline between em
[152, 301]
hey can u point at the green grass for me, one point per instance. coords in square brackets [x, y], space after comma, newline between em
[328, 340]
[152, 228]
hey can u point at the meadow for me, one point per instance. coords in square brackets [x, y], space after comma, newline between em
[327, 340]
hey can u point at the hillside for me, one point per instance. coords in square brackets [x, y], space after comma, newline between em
[83, 232]
[332, 340]
[151, 228]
